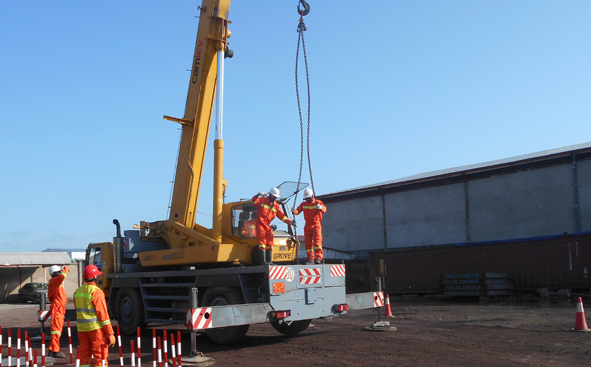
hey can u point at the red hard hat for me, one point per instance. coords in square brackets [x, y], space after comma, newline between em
[91, 271]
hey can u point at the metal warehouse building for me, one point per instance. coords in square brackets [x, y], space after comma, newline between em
[539, 194]
[516, 224]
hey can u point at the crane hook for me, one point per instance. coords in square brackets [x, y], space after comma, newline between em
[306, 9]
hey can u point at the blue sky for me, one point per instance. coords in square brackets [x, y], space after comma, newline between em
[397, 88]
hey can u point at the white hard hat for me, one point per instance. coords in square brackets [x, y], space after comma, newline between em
[275, 192]
[54, 269]
[308, 193]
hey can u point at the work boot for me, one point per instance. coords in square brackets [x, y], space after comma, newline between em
[262, 257]
[309, 262]
[317, 261]
[270, 260]
[57, 354]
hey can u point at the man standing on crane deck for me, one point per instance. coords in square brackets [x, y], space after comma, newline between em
[313, 210]
[267, 210]
[58, 298]
[95, 332]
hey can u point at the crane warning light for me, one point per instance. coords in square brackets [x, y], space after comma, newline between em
[342, 307]
[281, 314]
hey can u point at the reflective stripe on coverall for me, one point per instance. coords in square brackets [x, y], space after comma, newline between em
[58, 298]
[313, 227]
[265, 214]
[94, 324]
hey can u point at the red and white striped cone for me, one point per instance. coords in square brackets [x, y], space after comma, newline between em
[581, 323]
[387, 308]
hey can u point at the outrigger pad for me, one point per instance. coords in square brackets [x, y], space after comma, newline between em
[381, 326]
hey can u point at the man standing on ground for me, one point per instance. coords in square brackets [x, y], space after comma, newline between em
[313, 210]
[267, 210]
[95, 332]
[58, 298]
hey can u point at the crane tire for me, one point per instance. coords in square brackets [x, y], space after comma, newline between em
[294, 328]
[130, 310]
[222, 296]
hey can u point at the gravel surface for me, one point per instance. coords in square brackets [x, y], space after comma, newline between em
[426, 335]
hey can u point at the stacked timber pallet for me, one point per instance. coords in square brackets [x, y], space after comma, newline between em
[477, 284]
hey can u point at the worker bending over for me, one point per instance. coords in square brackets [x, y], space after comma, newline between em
[95, 333]
[313, 210]
[267, 210]
[58, 298]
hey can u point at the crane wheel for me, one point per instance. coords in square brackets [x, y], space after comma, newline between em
[222, 296]
[130, 310]
[294, 328]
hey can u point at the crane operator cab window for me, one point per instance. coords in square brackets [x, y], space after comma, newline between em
[93, 257]
[244, 221]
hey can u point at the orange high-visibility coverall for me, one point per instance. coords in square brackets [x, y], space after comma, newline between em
[93, 319]
[265, 214]
[58, 298]
[249, 228]
[313, 227]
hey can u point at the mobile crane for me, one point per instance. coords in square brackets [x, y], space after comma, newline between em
[149, 272]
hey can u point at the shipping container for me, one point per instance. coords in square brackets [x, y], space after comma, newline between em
[553, 262]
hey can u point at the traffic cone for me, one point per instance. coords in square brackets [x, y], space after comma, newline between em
[388, 310]
[581, 323]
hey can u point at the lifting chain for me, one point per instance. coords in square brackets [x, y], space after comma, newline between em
[300, 30]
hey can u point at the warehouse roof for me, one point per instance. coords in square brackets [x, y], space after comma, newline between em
[473, 168]
[34, 258]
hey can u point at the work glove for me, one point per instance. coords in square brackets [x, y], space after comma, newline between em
[112, 340]
[318, 206]
[262, 193]
[293, 223]
[293, 211]
[66, 269]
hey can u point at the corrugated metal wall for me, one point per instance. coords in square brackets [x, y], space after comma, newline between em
[524, 199]
[555, 263]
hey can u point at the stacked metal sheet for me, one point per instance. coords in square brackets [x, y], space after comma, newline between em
[477, 284]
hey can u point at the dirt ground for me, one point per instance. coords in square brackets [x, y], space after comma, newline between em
[427, 334]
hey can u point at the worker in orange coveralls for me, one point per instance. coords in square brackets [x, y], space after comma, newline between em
[249, 228]
[268, 209]
[95, 333]
[58, 298]
[313, 210]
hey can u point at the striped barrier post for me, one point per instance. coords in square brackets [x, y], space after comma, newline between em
[155, 352]
[70, 344]
[173, 350]
[42, 350]
[159, 352]
[77, 357]
[132, 354]
[165, 342]
[9, 347]
[139, 348]
[27, 348]
[35, 358]
[30, 352]
[120, 346]
[18, 349]
[178, 347]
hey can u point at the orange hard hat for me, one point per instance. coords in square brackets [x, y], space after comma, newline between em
[91, 271]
